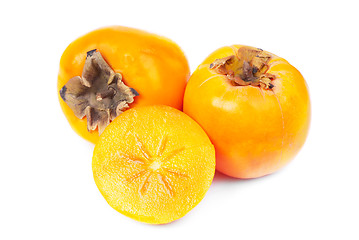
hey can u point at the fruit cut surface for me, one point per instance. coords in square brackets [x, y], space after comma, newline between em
[153, 164]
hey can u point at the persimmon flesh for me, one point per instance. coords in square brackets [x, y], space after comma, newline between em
[111, 69]
[153, 164]
[253, 105]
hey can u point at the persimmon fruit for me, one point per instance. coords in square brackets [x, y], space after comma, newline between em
[153, 164]
[253, 105]
[111, 69]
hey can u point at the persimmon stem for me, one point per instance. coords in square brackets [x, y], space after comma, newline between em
[248, 67]
[98, 94]
[109, 93]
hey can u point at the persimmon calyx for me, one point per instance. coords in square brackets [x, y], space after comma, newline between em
[248, 67]
[99, 94]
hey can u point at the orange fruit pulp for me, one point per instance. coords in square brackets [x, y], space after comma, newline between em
[153, 164]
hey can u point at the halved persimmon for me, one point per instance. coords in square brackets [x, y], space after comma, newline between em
[153, 164]
[254, 106]
[111, 69]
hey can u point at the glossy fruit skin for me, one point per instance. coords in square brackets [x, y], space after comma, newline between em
[129, 146]
[153, 65]
[255, 131]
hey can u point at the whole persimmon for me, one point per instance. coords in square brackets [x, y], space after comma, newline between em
[153, 164]
[254, 106]
[108, 70]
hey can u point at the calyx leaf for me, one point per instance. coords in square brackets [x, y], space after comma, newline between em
[99, 94]
[248, 67]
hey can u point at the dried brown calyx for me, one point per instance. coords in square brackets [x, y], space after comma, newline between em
[248, 67]
[99, 94]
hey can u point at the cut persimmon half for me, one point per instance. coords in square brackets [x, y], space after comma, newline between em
[153, 164]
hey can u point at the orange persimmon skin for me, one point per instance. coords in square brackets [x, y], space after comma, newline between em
[153, 65]
[255, 131]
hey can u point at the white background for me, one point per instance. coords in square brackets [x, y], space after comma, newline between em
[46, 184]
